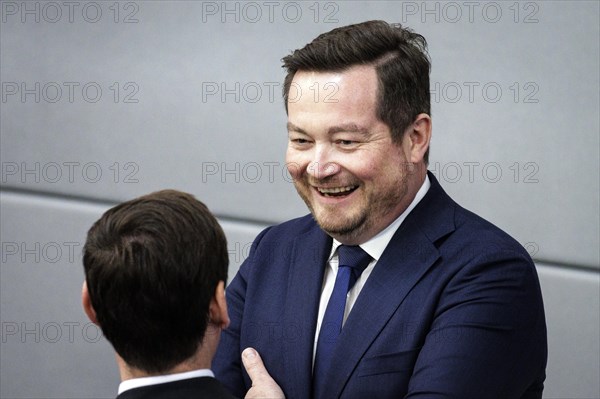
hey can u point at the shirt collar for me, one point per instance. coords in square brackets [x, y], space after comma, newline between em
[377, 244]
[162, 379]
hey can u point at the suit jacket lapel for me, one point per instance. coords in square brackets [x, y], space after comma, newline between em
[408, 256]
[307, 264]
[387, 286]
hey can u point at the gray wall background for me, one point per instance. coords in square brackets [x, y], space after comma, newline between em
[105, 101]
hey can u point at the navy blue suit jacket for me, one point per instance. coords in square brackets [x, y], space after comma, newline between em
[452, 309]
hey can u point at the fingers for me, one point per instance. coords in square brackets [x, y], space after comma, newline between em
[254, 365]
[263, 386]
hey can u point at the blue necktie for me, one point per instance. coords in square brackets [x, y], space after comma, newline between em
[352, 261]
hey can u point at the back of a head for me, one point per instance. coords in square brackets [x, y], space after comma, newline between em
[398, 54]
[152, 265]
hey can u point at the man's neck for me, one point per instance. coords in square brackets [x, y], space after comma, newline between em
[197, 362]
[413, 185]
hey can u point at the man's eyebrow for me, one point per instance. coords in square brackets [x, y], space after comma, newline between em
[346, 127]
[293, 128]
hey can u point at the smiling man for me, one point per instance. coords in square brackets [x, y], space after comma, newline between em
[389, 289]
[343, 159]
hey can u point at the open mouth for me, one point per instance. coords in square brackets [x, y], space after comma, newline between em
[336, 191]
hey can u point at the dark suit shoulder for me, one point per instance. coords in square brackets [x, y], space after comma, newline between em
[295, 227]
[459, 227]
[286, 232]
[473, 230]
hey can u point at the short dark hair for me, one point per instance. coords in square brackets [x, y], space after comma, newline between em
[152, 265]
[398, 54]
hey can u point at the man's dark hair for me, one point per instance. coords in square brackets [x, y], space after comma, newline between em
[398, 55]
[152, 265]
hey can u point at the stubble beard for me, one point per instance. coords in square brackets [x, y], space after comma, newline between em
[349, 228]
[334, 225]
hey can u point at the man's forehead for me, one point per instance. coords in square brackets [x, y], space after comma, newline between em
[355, 74]
[355, 89]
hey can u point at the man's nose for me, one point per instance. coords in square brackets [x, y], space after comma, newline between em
[322, 165]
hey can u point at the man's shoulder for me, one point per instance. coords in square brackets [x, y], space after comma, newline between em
[289, 230]
[467, 230]
[482, 237]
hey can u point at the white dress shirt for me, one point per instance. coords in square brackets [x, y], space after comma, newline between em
[161, 379]
[374, 247]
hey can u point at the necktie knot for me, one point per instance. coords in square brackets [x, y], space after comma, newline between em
[354, 257]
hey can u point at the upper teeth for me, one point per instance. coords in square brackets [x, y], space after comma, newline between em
[334, 190]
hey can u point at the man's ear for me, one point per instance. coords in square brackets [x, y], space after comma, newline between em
[87, 304]
[218, 307]
[419, 135]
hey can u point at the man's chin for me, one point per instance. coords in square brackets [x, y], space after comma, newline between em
[336, 227]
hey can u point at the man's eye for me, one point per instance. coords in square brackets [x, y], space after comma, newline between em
[346, 142]
[300, 141]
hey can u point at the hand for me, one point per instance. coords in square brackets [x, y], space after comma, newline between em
[263, 386]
